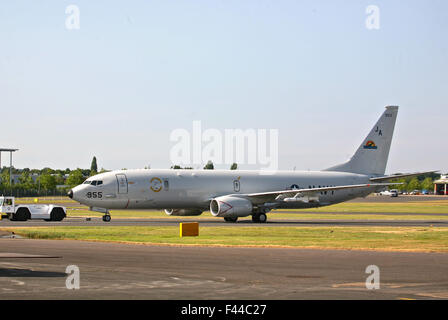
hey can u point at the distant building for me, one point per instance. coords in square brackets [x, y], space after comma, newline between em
[16, 178]
[441, 185]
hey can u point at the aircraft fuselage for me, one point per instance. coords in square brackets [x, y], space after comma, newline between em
[163, 189]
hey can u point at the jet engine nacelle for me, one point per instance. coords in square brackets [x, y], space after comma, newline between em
[183, 212]
[228, 206]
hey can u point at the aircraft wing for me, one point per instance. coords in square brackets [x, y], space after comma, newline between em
[263, 197]
[399, 176]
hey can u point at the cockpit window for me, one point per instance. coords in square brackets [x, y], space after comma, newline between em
[94, 182]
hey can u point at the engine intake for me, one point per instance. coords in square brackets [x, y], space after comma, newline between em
[228, 206]
[183, 212]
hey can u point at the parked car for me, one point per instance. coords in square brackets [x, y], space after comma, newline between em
[392, 193]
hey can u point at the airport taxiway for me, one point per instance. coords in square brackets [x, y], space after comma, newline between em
[126, 271]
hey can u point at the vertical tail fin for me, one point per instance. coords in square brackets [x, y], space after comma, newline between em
[371, 157]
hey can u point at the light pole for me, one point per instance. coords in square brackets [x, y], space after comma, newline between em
[10, 163]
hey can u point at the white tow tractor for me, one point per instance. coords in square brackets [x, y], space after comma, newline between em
[23, 212]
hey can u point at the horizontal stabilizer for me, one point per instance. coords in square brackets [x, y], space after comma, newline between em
[399, 176]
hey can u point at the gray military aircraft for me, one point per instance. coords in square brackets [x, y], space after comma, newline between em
[231, 194]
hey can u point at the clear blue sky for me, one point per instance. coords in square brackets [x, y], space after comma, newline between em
[136, 70]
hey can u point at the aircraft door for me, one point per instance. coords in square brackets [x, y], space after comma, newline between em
[236, 185]
[122, 183]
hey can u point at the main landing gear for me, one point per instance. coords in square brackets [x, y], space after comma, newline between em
[259, 218]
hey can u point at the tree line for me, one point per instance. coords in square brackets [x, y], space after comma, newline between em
[411, 184]
[421, 182]
[38, 182]
[208, 166]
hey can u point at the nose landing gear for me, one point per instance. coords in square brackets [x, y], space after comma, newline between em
[106, 217]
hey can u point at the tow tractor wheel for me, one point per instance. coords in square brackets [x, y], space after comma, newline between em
[106, 218]
[57, 214]
[230, 219]
[22, 214]
[259, 218]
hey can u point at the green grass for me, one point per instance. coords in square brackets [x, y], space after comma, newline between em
[377, 238]
[49, 199]
[437, 206]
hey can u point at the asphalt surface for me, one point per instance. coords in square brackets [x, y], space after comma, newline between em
[122, 271]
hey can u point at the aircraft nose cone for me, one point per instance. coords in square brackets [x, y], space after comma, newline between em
[70, 194]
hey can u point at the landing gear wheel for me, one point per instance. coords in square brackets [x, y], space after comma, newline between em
[106, 218]
[230, 219]
[259, 218]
